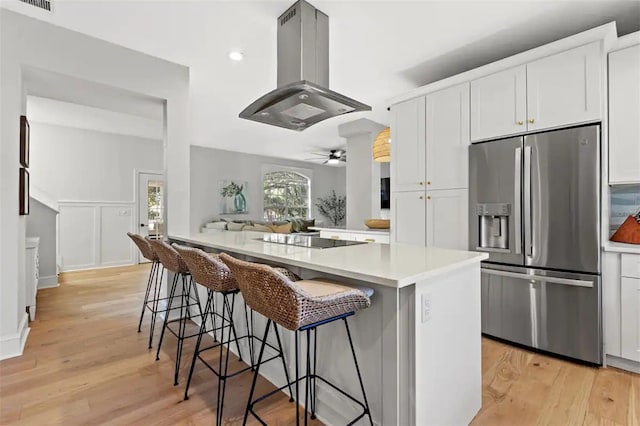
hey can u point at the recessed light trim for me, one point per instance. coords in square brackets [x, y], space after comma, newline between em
[236, 55]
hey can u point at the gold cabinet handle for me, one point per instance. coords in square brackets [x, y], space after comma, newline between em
[428, 197]
[370, 240]
[421, 197]
[420, 183]
[520, 123]
[531, 120]
[335, 237]
[428, 182]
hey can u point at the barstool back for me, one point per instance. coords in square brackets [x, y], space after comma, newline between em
[168, 256]
[144, 247]
[207, 269]
[275, 296]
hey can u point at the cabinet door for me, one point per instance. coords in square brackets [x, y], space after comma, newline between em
[565, 88]
[336, 235]
[630, 318]
[371, 238]
[624, 110]
[447, 130]
[408, 221]
[448, 219]
[408, 145]
[498, 104]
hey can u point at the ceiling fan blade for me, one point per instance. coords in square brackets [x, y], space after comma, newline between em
[315, 158]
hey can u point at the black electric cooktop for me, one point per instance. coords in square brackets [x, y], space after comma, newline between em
[306, 241]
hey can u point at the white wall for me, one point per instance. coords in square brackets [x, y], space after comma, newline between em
[80, 116]
[209, 166]
[91, 175]
[363, 174]
[26, 42]
[86, 165]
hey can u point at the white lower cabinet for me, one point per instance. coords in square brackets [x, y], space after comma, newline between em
[408, 222]
[447, 219]
[630, 318]
[335, 235]
[370, 238]
[364, 236]
[31, 274]
[630, 306]
[621, 305]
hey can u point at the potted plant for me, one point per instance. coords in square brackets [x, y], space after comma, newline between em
[333, 207]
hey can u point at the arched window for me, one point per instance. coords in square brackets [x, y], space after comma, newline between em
[286, 194]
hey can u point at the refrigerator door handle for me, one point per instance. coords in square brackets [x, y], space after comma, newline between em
[527, 202]
[539, 278]
[517, 216]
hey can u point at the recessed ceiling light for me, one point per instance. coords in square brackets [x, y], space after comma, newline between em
[236, 55]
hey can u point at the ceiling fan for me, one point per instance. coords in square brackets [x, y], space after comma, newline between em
[333, 157]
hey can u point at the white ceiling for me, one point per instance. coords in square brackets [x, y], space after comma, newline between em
[378, 49]
[55, 112]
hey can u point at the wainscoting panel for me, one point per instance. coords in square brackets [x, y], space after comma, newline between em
[93, 234]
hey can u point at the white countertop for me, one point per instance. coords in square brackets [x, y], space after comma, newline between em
[361, 230]
[393, 265]
[621, 247]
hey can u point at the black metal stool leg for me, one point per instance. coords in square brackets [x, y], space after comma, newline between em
[249, 336]
[297, 380]
[226, 362]
[157, 289]
[284, 362]
[315, 353]
[166, 314]
[196, 352]
[233, 327]
[307, 380]
[182, 325]
[355, 361]
[146, 294]
[220, 379]
[255, 374]
[214, 315]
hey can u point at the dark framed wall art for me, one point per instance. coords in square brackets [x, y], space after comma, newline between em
[24, 141]
[24, 191]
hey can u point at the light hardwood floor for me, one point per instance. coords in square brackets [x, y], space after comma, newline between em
[85, 364]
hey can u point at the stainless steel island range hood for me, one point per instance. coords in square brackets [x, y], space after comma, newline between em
[302, 97]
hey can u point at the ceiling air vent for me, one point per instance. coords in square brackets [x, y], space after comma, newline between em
[42, 4]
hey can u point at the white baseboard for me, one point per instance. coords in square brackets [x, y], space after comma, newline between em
[90, 267]
[12, 345]
[623, 364]
[48, 282]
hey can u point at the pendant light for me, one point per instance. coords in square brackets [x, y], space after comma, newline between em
[381, 147]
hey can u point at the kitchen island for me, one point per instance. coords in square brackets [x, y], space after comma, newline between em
[419, 342]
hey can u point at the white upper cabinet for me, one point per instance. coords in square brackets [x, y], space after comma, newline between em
[447, 129]
[624, 115]
[499, 104]
[408, 217]
[559, 90]
[565, 88]
[408, 145]
[448, 218]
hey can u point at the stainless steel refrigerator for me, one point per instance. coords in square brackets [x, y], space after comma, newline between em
[535, 208]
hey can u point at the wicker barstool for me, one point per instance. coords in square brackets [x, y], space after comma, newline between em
[172, 261]
[153, 288]
[300, 306]
[208, 270]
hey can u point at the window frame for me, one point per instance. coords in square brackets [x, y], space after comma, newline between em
[306, 173]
